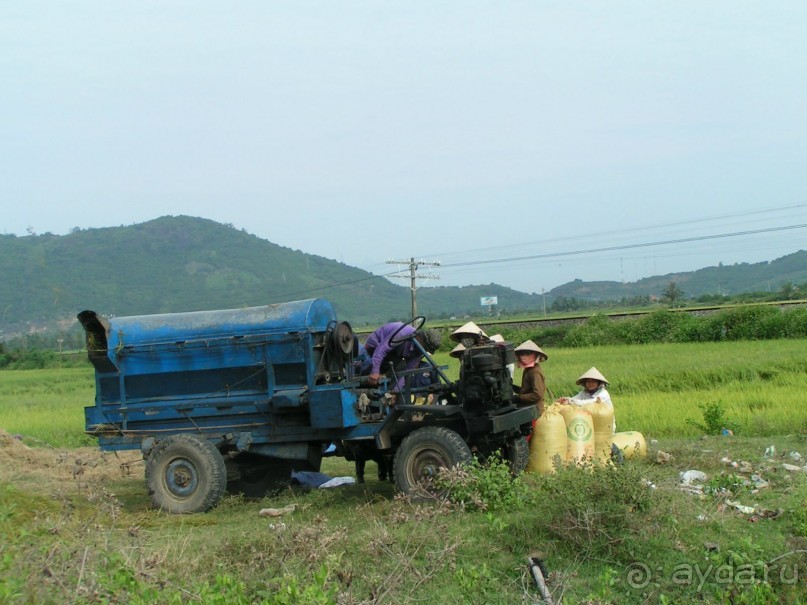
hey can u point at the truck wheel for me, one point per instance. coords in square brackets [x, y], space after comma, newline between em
[185, 474]
[422, 454]
[517, 453]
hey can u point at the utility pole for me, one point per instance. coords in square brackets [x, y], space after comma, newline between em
[413, 275]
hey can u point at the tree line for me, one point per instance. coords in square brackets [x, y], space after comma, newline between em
[674, 296]
[747, 322]
[751, 322]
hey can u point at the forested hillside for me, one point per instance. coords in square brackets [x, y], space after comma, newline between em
[175, 264]
[720, 280]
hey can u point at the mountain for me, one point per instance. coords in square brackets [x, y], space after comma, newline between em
[183, 263]
[723, 279]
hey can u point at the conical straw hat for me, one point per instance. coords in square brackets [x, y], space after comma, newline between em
[470, 328]
[528, 345]
[457, 351]
[594, 374]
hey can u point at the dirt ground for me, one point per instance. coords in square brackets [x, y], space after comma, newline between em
[49, 468]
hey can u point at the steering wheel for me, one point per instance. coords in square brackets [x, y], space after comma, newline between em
[416, 322]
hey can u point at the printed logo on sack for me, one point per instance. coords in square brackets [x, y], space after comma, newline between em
[579, 430]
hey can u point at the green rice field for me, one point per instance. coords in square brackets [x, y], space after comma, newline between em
[657, 389]
[77, 526]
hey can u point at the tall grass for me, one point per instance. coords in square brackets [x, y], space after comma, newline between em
[656, 388]
[47, 405]
[75, 542]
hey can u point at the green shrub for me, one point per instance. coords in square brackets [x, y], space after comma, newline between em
[289, 590]
[597, 330]
[659, 326]
[794, 323]
[800, 520]
[592, 508]
[729, 484]
[708, 329]
[752, 323]
[714, 419]
[483, 486]
[477, 583]
[549, 337]
[741, 323]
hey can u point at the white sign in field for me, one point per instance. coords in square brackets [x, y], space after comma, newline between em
[489, 301]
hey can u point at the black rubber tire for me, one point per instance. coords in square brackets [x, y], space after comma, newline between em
[422, 453]
[185, 474]
[517, 454]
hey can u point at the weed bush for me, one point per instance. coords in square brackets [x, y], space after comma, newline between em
[290, 591]
[726, 484]
[548, 337]
[37, 359]
[800, 519]
[477, 583]
[597, 330]
[740, 323]
[794, 323]
[489, 486]
[752, 323]
[714, 419]
[661, 326]
[593, 508]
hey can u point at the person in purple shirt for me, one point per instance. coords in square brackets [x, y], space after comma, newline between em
[402, 356]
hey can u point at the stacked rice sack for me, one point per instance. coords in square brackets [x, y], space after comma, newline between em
[548, 442]
[630, 443]
[578, 434]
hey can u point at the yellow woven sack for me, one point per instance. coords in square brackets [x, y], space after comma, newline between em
[548, 441]
[602, 415]
[631, 443]
[579, 433]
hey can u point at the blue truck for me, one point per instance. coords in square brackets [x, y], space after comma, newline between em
[240, 399]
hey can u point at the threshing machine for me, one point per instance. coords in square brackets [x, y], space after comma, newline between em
[239, 399]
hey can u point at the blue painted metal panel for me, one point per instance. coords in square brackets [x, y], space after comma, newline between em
[333, 407]
[311, 315]
[272, 334]
[244, 377]
[292, 398]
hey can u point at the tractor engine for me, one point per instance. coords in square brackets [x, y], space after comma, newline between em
[485, 384]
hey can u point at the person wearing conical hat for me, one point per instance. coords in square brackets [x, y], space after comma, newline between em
[468, 335]
[533, 384]
[593, 383]
[499, 339]
[457, 351]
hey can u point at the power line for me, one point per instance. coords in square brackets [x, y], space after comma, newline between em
[285, 295]
[411, 261]
[634, 230]
[623, 247]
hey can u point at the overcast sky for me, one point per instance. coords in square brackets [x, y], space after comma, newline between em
[502, 139]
